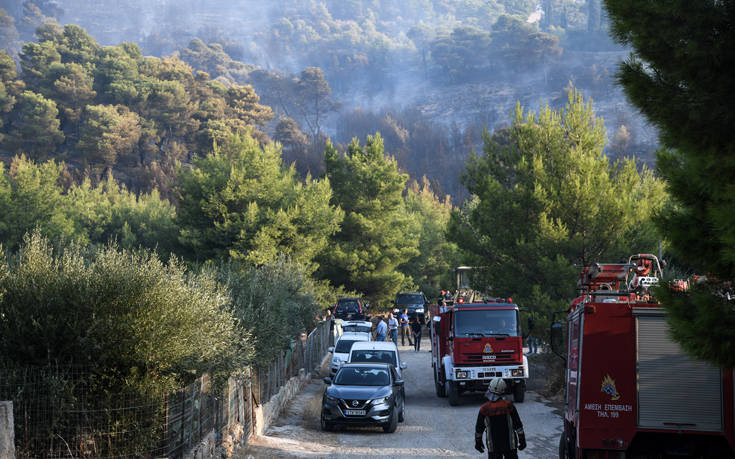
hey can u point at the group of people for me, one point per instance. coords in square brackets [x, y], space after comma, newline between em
[410, 330]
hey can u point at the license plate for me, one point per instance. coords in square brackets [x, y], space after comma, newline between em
[355, 412]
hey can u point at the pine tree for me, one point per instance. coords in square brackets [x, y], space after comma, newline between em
[374, 238]
[548, 202]
[679, 77]
[241, 202]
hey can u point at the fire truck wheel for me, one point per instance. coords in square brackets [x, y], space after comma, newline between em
[562, 447]
[440, 392]
[519, 392]
[453, 393]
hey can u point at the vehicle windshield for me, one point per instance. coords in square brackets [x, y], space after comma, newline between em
[356, 328]
[344, 346]
[359, 376]
[347, 306]
[371, 356]
[410, 298]
[495, 322]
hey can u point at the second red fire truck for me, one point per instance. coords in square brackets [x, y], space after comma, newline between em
[631, 392]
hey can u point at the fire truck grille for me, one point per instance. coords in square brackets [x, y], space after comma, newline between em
[489, 358]
[490, 374]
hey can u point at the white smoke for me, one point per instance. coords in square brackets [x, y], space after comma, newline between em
[536, 15]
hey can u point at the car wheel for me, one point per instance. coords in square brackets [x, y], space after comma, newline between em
[326, 425]
[519, 392]
[392, 424]
[402, 414]
[453, 393]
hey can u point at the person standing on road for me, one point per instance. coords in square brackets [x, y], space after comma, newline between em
[405, 329]
[499, 420]
[416, 331]
[380, 330]
[393, 328]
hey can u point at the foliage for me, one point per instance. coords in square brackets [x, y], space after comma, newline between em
[275, 302]
[141, 324]
[510, 43]
[113, 109]
[705, 307]
[365, 254]
[548, 202]
[109, 212]
[32, 126]
[8, 33]
[10, 87]
[432, 269]
[32, 196]
[675, 78]
[215, 60]
[295, 145]
[241, 202]
[108, 134]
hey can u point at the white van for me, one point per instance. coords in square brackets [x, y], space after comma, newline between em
[377, 351]
[341, 350]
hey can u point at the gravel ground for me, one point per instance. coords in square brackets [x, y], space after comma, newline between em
[432, 427]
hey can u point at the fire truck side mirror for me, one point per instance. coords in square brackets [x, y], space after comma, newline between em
[437, 324]
[557, 338]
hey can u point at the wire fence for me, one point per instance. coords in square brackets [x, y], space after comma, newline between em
[304, 354]
[60, 412]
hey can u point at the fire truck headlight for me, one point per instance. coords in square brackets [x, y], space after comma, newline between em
[517, 371]
[461, 375]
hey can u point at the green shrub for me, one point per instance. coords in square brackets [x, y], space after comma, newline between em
[140, 324]
[274, 302]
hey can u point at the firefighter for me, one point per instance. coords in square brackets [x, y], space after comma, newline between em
[499, 419]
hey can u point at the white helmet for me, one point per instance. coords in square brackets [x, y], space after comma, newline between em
[496, 386]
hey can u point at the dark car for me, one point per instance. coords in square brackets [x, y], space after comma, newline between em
[416, 304]
[349, 309]
[364, 394]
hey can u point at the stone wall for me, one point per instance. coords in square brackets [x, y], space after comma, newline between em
[265, 414]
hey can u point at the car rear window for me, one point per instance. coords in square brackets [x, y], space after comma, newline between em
[356, 328]
[348, 306]
[410, 298]
[344, 346]
[371, 356]
[356, 376]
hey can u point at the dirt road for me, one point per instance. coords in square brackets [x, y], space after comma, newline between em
[432, 427]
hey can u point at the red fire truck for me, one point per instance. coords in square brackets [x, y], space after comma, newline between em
[474, 342]
[631, 392]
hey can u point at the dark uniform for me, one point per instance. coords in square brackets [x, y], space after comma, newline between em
[504, 430]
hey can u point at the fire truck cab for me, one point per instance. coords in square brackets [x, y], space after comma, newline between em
[631, 392]
[472, 343]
